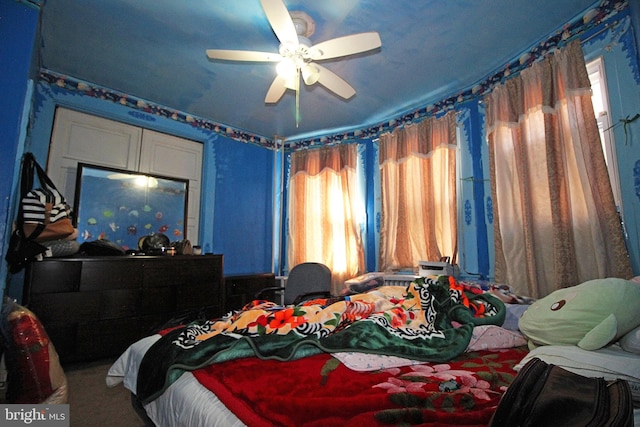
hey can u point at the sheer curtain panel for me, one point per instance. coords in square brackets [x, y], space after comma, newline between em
[323, 211]
[556, 223]
[418, 178]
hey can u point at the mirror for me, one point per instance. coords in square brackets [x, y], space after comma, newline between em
[123, 206]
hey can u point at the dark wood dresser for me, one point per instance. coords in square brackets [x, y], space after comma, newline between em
[95, 307]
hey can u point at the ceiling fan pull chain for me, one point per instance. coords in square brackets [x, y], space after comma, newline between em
[297, 97]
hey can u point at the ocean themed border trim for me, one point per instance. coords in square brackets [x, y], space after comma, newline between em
[89, 89]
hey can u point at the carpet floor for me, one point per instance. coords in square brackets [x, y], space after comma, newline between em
[93, 404]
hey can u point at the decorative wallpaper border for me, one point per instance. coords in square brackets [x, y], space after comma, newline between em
[62, 82]
[589, 21]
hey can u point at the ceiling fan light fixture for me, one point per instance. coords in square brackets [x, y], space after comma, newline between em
[310, 74]
[292, 82]
[297, 55]
[286, 68]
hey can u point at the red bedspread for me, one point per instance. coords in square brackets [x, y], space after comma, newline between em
[321, 391]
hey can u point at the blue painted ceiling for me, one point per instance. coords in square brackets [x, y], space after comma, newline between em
[155, 50]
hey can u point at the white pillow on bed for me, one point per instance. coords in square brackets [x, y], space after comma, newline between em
[514, 313]
[631, 341]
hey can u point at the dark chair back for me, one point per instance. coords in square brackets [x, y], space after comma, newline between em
[310, 279]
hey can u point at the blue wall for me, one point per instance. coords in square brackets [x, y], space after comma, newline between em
[237, 214]
[475, 214]
[619, 51]
[18, 24]
[243, 206]
[237, 177]
[236, 217]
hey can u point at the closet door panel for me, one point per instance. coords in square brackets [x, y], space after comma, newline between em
[169, 155]
[83, 138]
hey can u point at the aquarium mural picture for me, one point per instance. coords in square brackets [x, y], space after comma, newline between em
[123, 206]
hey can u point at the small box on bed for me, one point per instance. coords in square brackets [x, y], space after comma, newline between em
[435, 268]
[399, 279]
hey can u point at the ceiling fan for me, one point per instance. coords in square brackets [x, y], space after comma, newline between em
[296, 56]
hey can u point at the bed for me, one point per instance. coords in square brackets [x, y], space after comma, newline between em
[434, 353]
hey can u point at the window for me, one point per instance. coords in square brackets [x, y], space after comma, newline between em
[325, 211]
[419, 194]
[600, 99]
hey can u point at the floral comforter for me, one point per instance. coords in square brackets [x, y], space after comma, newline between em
[321, 391]
[430, 320]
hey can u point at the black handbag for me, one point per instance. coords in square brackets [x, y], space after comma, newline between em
[22, 251]
[544, 394]
[43, 215]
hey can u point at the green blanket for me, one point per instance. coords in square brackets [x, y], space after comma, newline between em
[430, 320]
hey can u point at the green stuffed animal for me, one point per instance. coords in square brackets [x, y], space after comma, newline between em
[590, 315]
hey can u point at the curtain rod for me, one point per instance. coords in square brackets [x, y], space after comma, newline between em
[601, 30]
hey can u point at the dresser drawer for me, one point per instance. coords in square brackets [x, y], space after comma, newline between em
[95, 307]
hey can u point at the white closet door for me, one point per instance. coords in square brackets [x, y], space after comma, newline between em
[171, 156]
[83, 138]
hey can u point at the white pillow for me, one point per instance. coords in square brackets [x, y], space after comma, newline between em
[631, 341]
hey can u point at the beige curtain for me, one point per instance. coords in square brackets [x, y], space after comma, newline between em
[324, 212]
[556, 223]
[418, 177]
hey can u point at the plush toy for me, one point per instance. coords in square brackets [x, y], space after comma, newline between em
[590, 315]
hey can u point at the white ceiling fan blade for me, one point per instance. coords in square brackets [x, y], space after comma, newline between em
[334, 83]
[280, 21]
[347, 45]
[276, 90]
[243, 55]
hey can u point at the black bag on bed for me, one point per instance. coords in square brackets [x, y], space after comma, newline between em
[546, 395]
